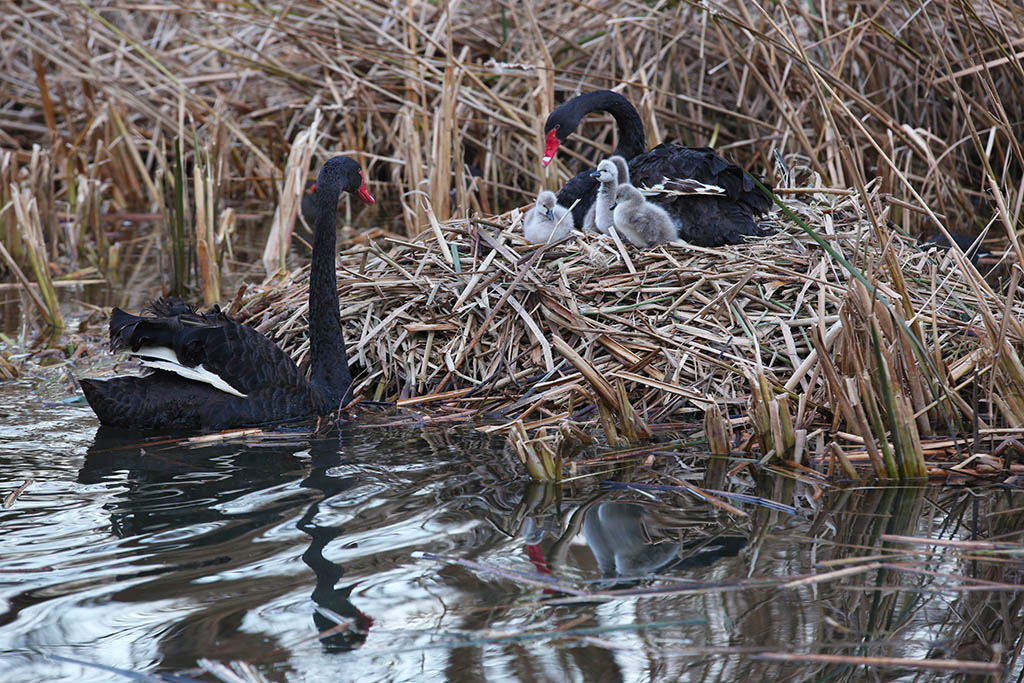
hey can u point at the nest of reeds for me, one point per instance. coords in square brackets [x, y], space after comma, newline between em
[468, 315]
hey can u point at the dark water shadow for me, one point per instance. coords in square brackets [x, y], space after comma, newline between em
[169, 487]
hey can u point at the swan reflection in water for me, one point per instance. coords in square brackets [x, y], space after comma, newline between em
[620, 537]
[631, 542]
[192, 512]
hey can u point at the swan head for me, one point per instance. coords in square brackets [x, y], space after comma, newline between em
[341, 174]
[559, 126]
[562, 122]
[628, 195]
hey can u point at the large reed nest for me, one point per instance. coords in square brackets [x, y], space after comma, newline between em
[469, 317]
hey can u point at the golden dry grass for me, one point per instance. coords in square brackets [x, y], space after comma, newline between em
[927, 98]
[890, 120]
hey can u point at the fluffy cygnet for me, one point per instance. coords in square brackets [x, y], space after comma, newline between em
[547, 221]
[641, 222]
[599, 215]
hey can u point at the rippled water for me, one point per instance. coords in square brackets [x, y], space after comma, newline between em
[314, 560]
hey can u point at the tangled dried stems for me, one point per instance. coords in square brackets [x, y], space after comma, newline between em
[583, 330]
[925, 97]
[917, 109]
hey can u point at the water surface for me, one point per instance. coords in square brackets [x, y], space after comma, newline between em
[394, 552]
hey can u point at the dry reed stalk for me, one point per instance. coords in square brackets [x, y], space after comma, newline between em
[22, 279]
[395, 66]
[205, 231]
[10, 235]
[717, 431]
[295, 171]
[541, 461]
[27, 213]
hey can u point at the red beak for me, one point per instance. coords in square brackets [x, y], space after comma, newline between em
[364, 194]
[550, 147]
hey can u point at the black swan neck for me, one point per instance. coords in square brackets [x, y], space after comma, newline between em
[329, 370]
[631, 129]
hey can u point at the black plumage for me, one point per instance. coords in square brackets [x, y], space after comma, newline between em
[253, 381]
[702, 219]
[965, 242]
[308, 207]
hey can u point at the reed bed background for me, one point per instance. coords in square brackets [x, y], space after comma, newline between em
[879, 122]
[925, 97]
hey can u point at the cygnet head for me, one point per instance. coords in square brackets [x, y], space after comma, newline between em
[629, 195]
[606, 172]
[546, 201]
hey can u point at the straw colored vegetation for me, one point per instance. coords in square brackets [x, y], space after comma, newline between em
[778, 333]
[878, 122]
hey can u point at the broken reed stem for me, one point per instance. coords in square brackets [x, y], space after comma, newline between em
[27, 212]
[206, 238]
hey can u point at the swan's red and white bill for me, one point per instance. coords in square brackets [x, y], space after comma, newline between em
[551, 143]
[363, 193]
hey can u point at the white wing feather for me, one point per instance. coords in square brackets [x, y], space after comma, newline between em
[163, 358]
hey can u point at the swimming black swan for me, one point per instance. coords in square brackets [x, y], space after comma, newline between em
[700, 219]
[211, 372]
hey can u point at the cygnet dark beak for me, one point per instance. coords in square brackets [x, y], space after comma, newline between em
[550, 214]
[612, 207]
[595, 173]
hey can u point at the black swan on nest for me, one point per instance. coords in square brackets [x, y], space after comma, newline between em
[211, 372]
[705, 220]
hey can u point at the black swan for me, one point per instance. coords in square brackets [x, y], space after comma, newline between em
[211, 372]
[705, 220]
[968, 244]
